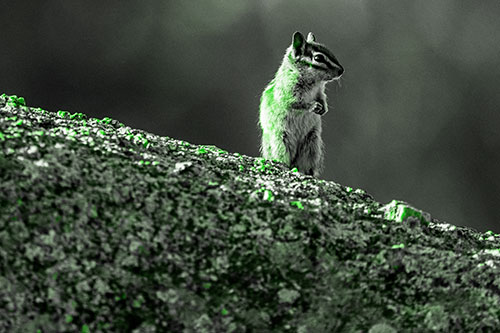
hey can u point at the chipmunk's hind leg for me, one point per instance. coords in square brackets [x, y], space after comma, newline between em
[310, 153]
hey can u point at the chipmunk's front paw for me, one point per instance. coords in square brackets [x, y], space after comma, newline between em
[318, 108]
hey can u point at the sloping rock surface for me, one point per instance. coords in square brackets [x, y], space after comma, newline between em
[106, 228]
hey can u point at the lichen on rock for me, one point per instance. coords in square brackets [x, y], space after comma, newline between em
[104, 227]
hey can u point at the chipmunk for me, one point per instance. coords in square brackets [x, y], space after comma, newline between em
[292, 104]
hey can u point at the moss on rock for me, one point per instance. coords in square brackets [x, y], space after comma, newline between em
[108, 228]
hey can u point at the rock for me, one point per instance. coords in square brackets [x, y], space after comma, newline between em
[104, 227]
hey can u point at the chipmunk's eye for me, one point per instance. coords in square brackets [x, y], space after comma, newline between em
[319, 57]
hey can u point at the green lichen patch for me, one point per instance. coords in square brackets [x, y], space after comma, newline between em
[106, 228]
[13, 100]
[399, 211]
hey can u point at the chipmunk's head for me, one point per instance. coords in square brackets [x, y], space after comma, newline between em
[313, 59]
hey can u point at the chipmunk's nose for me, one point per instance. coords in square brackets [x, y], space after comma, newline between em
[340, 71]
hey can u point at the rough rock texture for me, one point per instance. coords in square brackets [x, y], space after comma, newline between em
[105, 228]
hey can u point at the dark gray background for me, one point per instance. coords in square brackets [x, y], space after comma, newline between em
[415, 118]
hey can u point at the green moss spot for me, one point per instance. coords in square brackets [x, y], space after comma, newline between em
[15, 101]
[85, 328]
[207, 285]
[268, 195]
[348, 189]
[93, 212]
[121, 297]
[69, 318]
[19, 122]
[298, 204]
[261, 165]
[224, 312]
[491, 233]
[294, 170]
[62, 113]
[2, 136]
[399, 211]
[201, 150]
[398, 246]
[136, 304]
[106, 120]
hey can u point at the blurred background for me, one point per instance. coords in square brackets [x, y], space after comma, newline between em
[415, 117]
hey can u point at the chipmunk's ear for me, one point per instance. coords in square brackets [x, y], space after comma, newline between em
[298, 43]
[311, 38]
